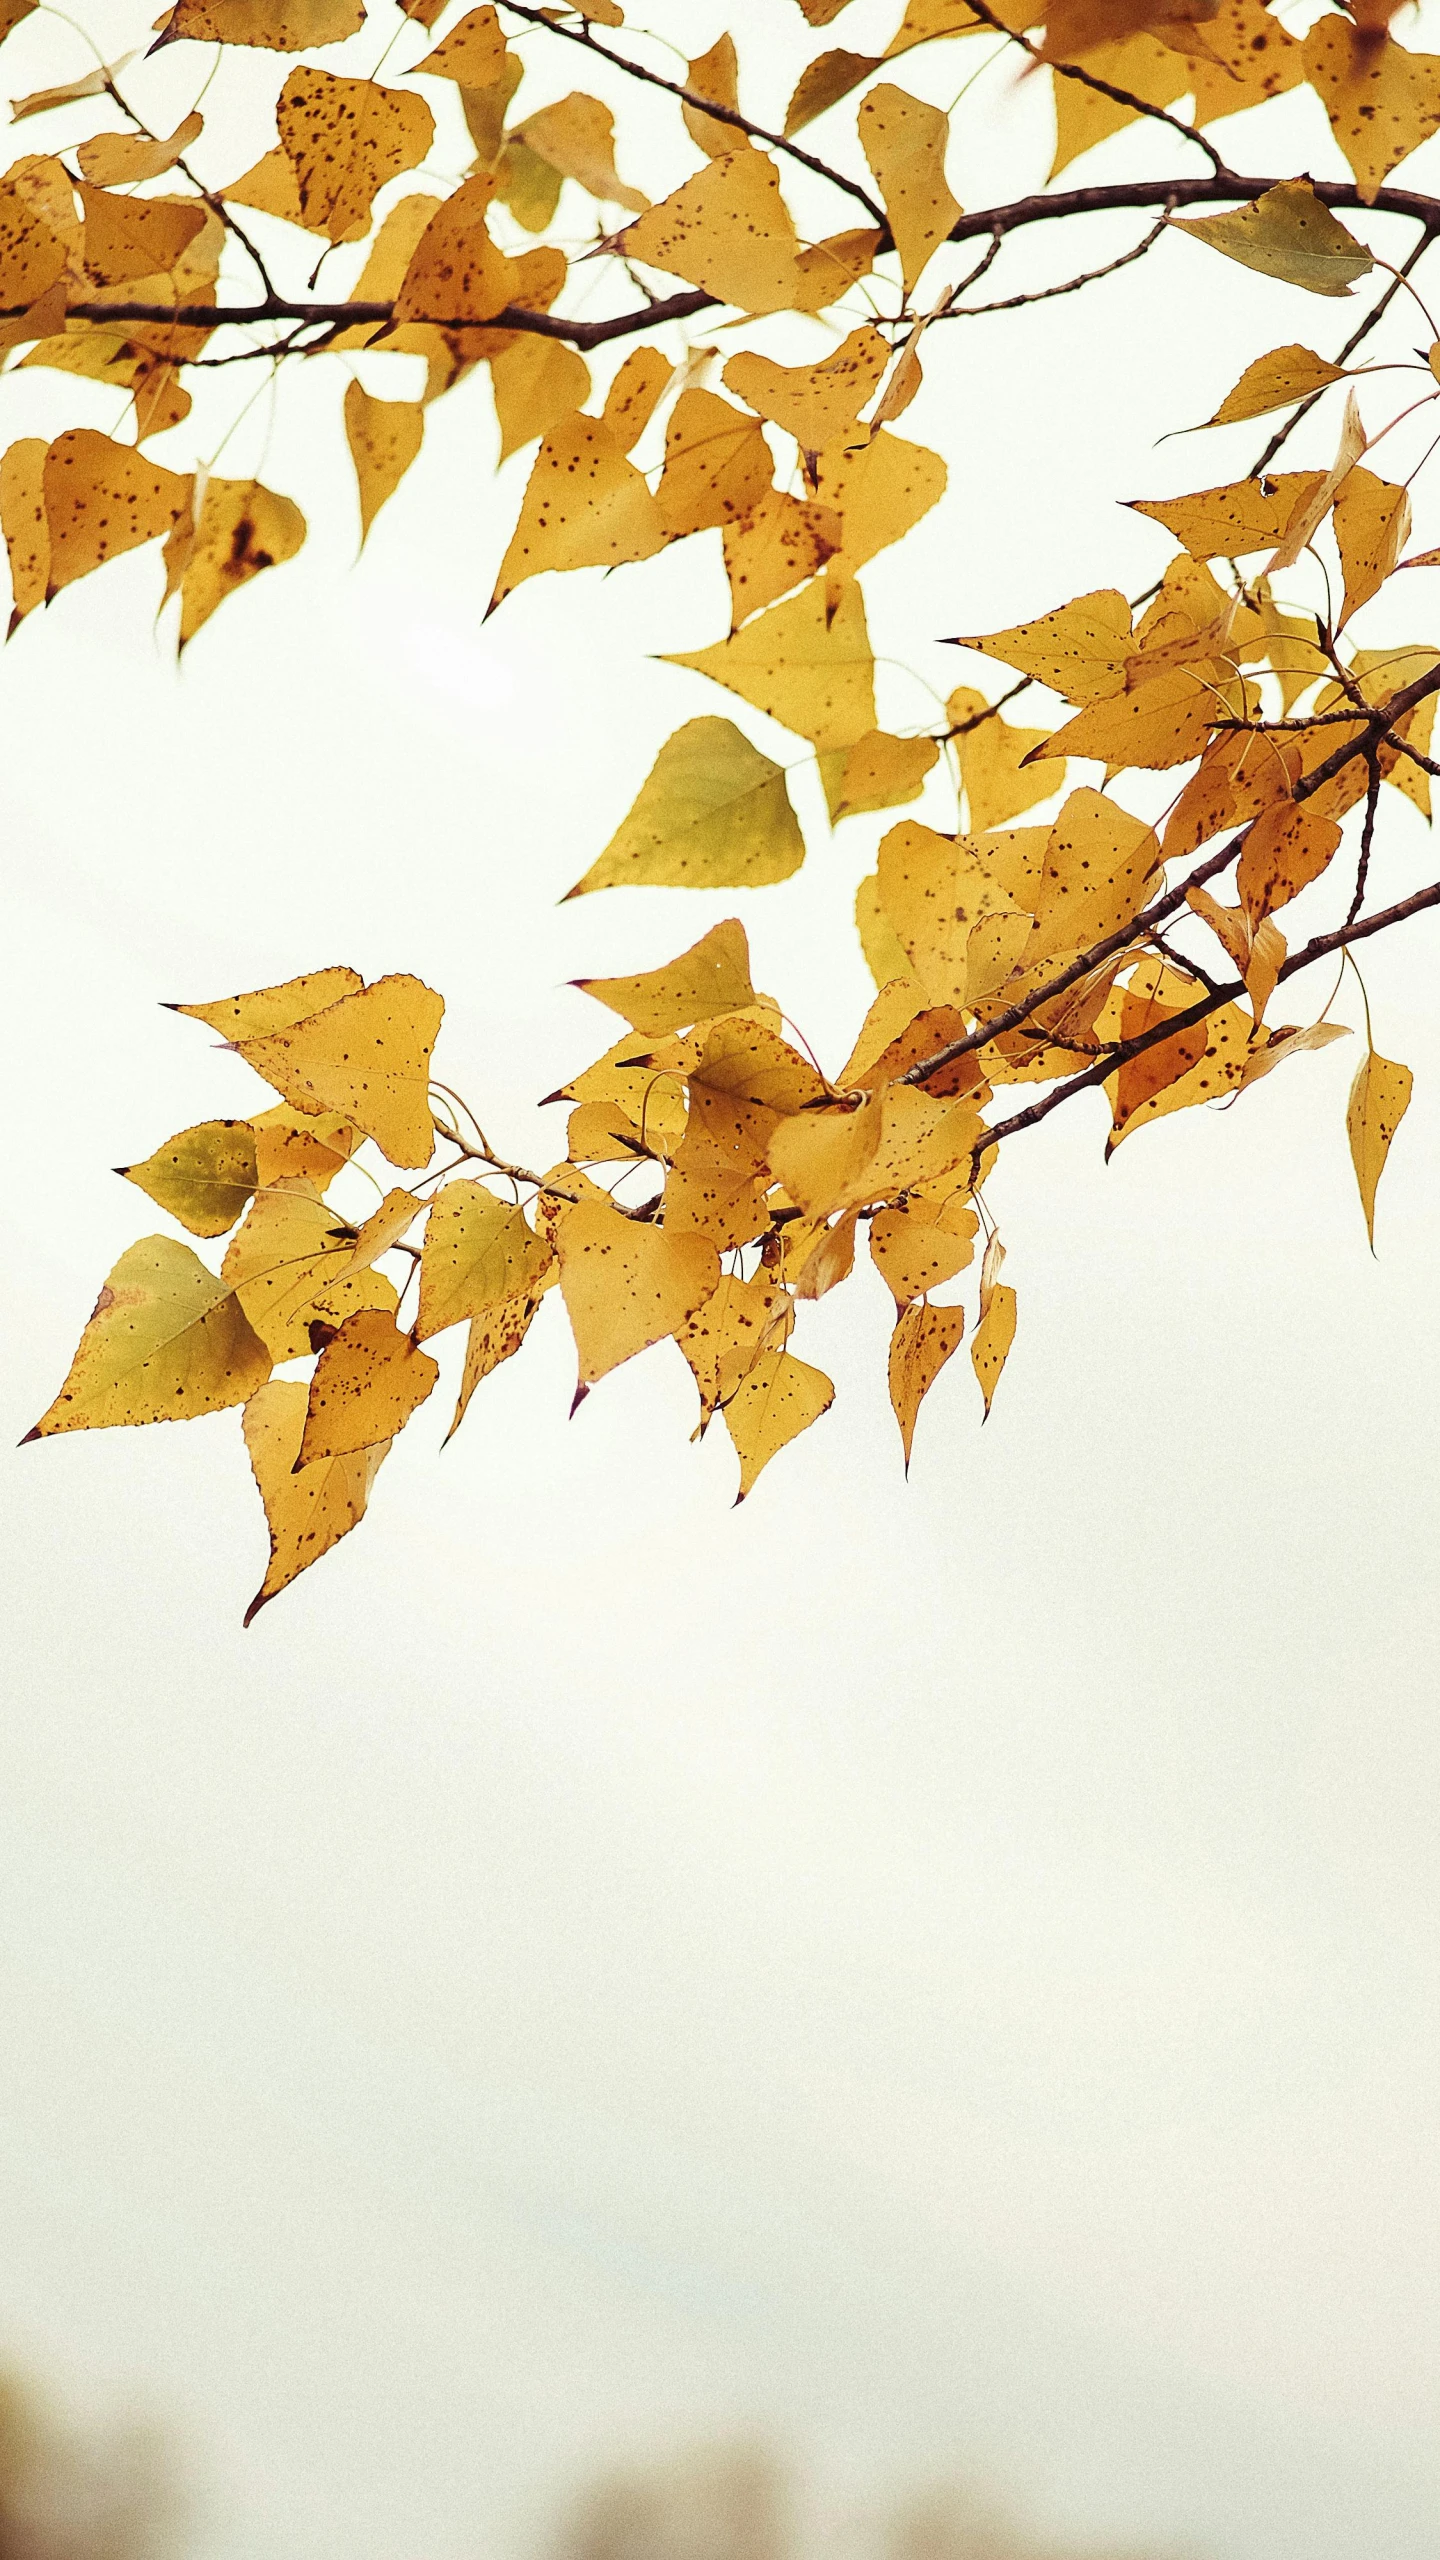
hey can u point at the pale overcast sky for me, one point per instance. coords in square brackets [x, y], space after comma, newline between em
[944, 1975]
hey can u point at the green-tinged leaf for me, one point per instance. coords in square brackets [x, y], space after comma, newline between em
[203, 1177]
[166, 1341]
[1287, 233]
[714, 814]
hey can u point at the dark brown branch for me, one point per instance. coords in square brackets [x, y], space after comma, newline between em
[585, 35]
[1323, 947]
[1381, 721]
[348, 315]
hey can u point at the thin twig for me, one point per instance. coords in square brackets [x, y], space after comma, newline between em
[1104, 88]
[1052, 292]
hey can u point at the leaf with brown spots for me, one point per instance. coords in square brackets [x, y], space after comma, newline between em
[345, 139]
[102, 498]
[243, 529]
[309, 1512]
[384, 438]
[368, 1381]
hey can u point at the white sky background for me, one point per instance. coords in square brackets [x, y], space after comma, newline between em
[945, 1975]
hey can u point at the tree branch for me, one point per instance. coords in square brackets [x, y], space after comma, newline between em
[1103, 88]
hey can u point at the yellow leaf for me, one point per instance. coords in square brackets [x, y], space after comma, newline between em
[485, 110]
[1287, 847]
[994, 1335]
[923, 1340]
[898, 1031]
[494, 1336]
[131, 236]
[166, 1341]
[282, 26]
[345, 139]
[727, 231]
[878, 772]
[1379, 1100]
[367, 1056]
[1231, 522]
[777, 1400]
[577, 136]
[537, 382]
[1372, 526]
[1197, 1064]
[812, 672]
[830, 1260]
[1079, 650]
[1163, 723]
[824, 82]
[634, 396]
[1085, 116]
[1382, 101]
[293, 1264]
[777, 545]
[585, 507]
[1100, 863]
[22, 517]
[1248, 58]
[249, 1017]
[904, 140]
[830, 266]
[917, 1246]
[714, 75]
[128, 159]
[101, 499]
[1309, 513]
[384, 437]
[477, 1251]
[711, 978]
[714, 814]
[818, 13]
[1276, 381]
[203, 1177]
[881, 491]
[91, 84]
[1290, 234]
[816, 404]
[626, 1284]
[739, 1322]
[243, 529]
[458, 274]
[998, 784]
[936, 894]
[272, 187]
[290, 1142]
[717, 465]
[308, 1513]
[473, 53]
[845, 1159]
[384, 271]
[369, 1379]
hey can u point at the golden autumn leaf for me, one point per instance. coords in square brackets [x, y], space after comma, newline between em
[537, 382]
[102, 498]
[1382, 100]
[577, 136]
[728, 231]
[306, 1513]
[478, 1251]
[810, 670]
[824, 82]
[1379, 1100]
[22, 519]
[711, 978]
[774, 547]
[1140, 66]
[1288, 846]
[634, 396]
[66, 93]
[367, 1057]
[495, 1335]
[128, 159]
[919, 1244]
[384, 437]
[457, 274]
[1372, 526]
[993, 1338]
[715, 75]
[249, 1017]
[1079, 650]
[626, 1285]
[1248, 57]
[878, 772]
[344, 139]
[714, 814]
[817, 404]
[941, 894]
[717, 465]
[585, 507]
[472, 54]
[1287, 233]
[880, 490]
[369, 1379]
[736, 1325]
[777, 1399]
[923, 1340]
[290, 1142]
[829, 267]
[243, 529]
[204, 1176]
[281, 26]
[293, 1264]
[1276, 381]
[131, 236]
[166, 1341]
[1231, 522]
[904, 140]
